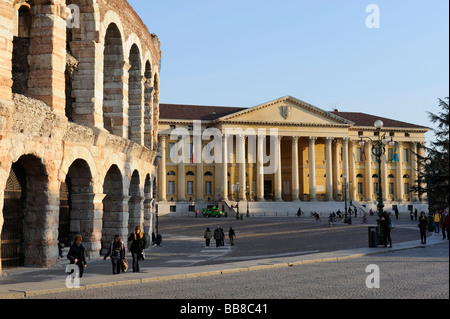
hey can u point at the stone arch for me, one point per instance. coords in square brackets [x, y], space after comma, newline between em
[155, 98]
[21, 48]
[135, 96]
[25, 214]
[135, 204]
[115, 208]
[115, 119]
[148, 105]
[76, 203]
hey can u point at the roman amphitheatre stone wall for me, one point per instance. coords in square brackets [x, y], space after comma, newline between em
[79, 105]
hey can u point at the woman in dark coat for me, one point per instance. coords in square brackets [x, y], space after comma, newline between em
[137, 247]
[423, 223]
[77, 254]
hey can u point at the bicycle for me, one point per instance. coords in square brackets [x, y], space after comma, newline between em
[316, 217]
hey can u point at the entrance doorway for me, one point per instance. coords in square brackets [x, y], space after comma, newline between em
[12, 254]
[268, 191]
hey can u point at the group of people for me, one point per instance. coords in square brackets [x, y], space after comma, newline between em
[117, 251]
[441, 218]
[219, 236]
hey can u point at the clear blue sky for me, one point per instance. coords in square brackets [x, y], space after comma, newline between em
[247, 52]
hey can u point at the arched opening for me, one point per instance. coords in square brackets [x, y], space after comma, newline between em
[155, 109]
[76, 203]
[135, 98]
[21, 49]
[148, 107]
[71, 67]
[24, 212]
[135, 204]
[148, 201]
[12, 254]
[115, 212]
[113, 86]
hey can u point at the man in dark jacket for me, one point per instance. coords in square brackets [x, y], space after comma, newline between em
[77, 254]
[218, 236]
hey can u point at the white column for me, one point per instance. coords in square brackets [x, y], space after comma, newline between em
[368, 172]
[260, 169]
[345, 173]
[312, 168]
[225, 167]
[295, 173]
[198, 159]
[336, 170]
[163, 192]
[352, 182]
[278, 186]
[399, 171]
[242, 167]
[329, 166]
[182, 179]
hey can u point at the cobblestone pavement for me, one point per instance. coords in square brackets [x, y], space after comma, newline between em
[416, 273]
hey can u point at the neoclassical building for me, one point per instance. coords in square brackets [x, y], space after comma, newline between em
[316, 152]
[79, 111]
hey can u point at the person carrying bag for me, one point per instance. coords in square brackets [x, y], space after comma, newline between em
[118, 252]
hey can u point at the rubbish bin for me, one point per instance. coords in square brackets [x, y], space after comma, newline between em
[373, 237]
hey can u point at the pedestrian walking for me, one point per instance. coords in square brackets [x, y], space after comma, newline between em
[330, 220]
[232, 236]
[415, 214]
[207, 236]
[356, 212]
[118, 253]
[423, 223]
[218, 236]
[77, 254]
[436, 221]
[138, 242]
[364, 221]
[444, 223]
[222, 242]
[385, 224]
[396, 213]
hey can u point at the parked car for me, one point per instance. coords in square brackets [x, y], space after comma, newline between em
[212, 212]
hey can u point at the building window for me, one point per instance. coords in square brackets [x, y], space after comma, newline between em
[190, 187]
[390, 155]
[208, 188]
[208, 174]
[360, 188]
[406, 188]
[173, 208]
[171, 173]
[171, 187]
[391, 188]
[190, 173]
[171, 145]
[191, 208]
[375, 187]
[359, 154]
[190, 150]
[172, 127]
[406, 155]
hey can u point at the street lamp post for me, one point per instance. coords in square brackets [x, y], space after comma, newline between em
[379, 149]
[248, 199]
[345, 200]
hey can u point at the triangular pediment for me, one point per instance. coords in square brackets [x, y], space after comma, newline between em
[287, 111]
